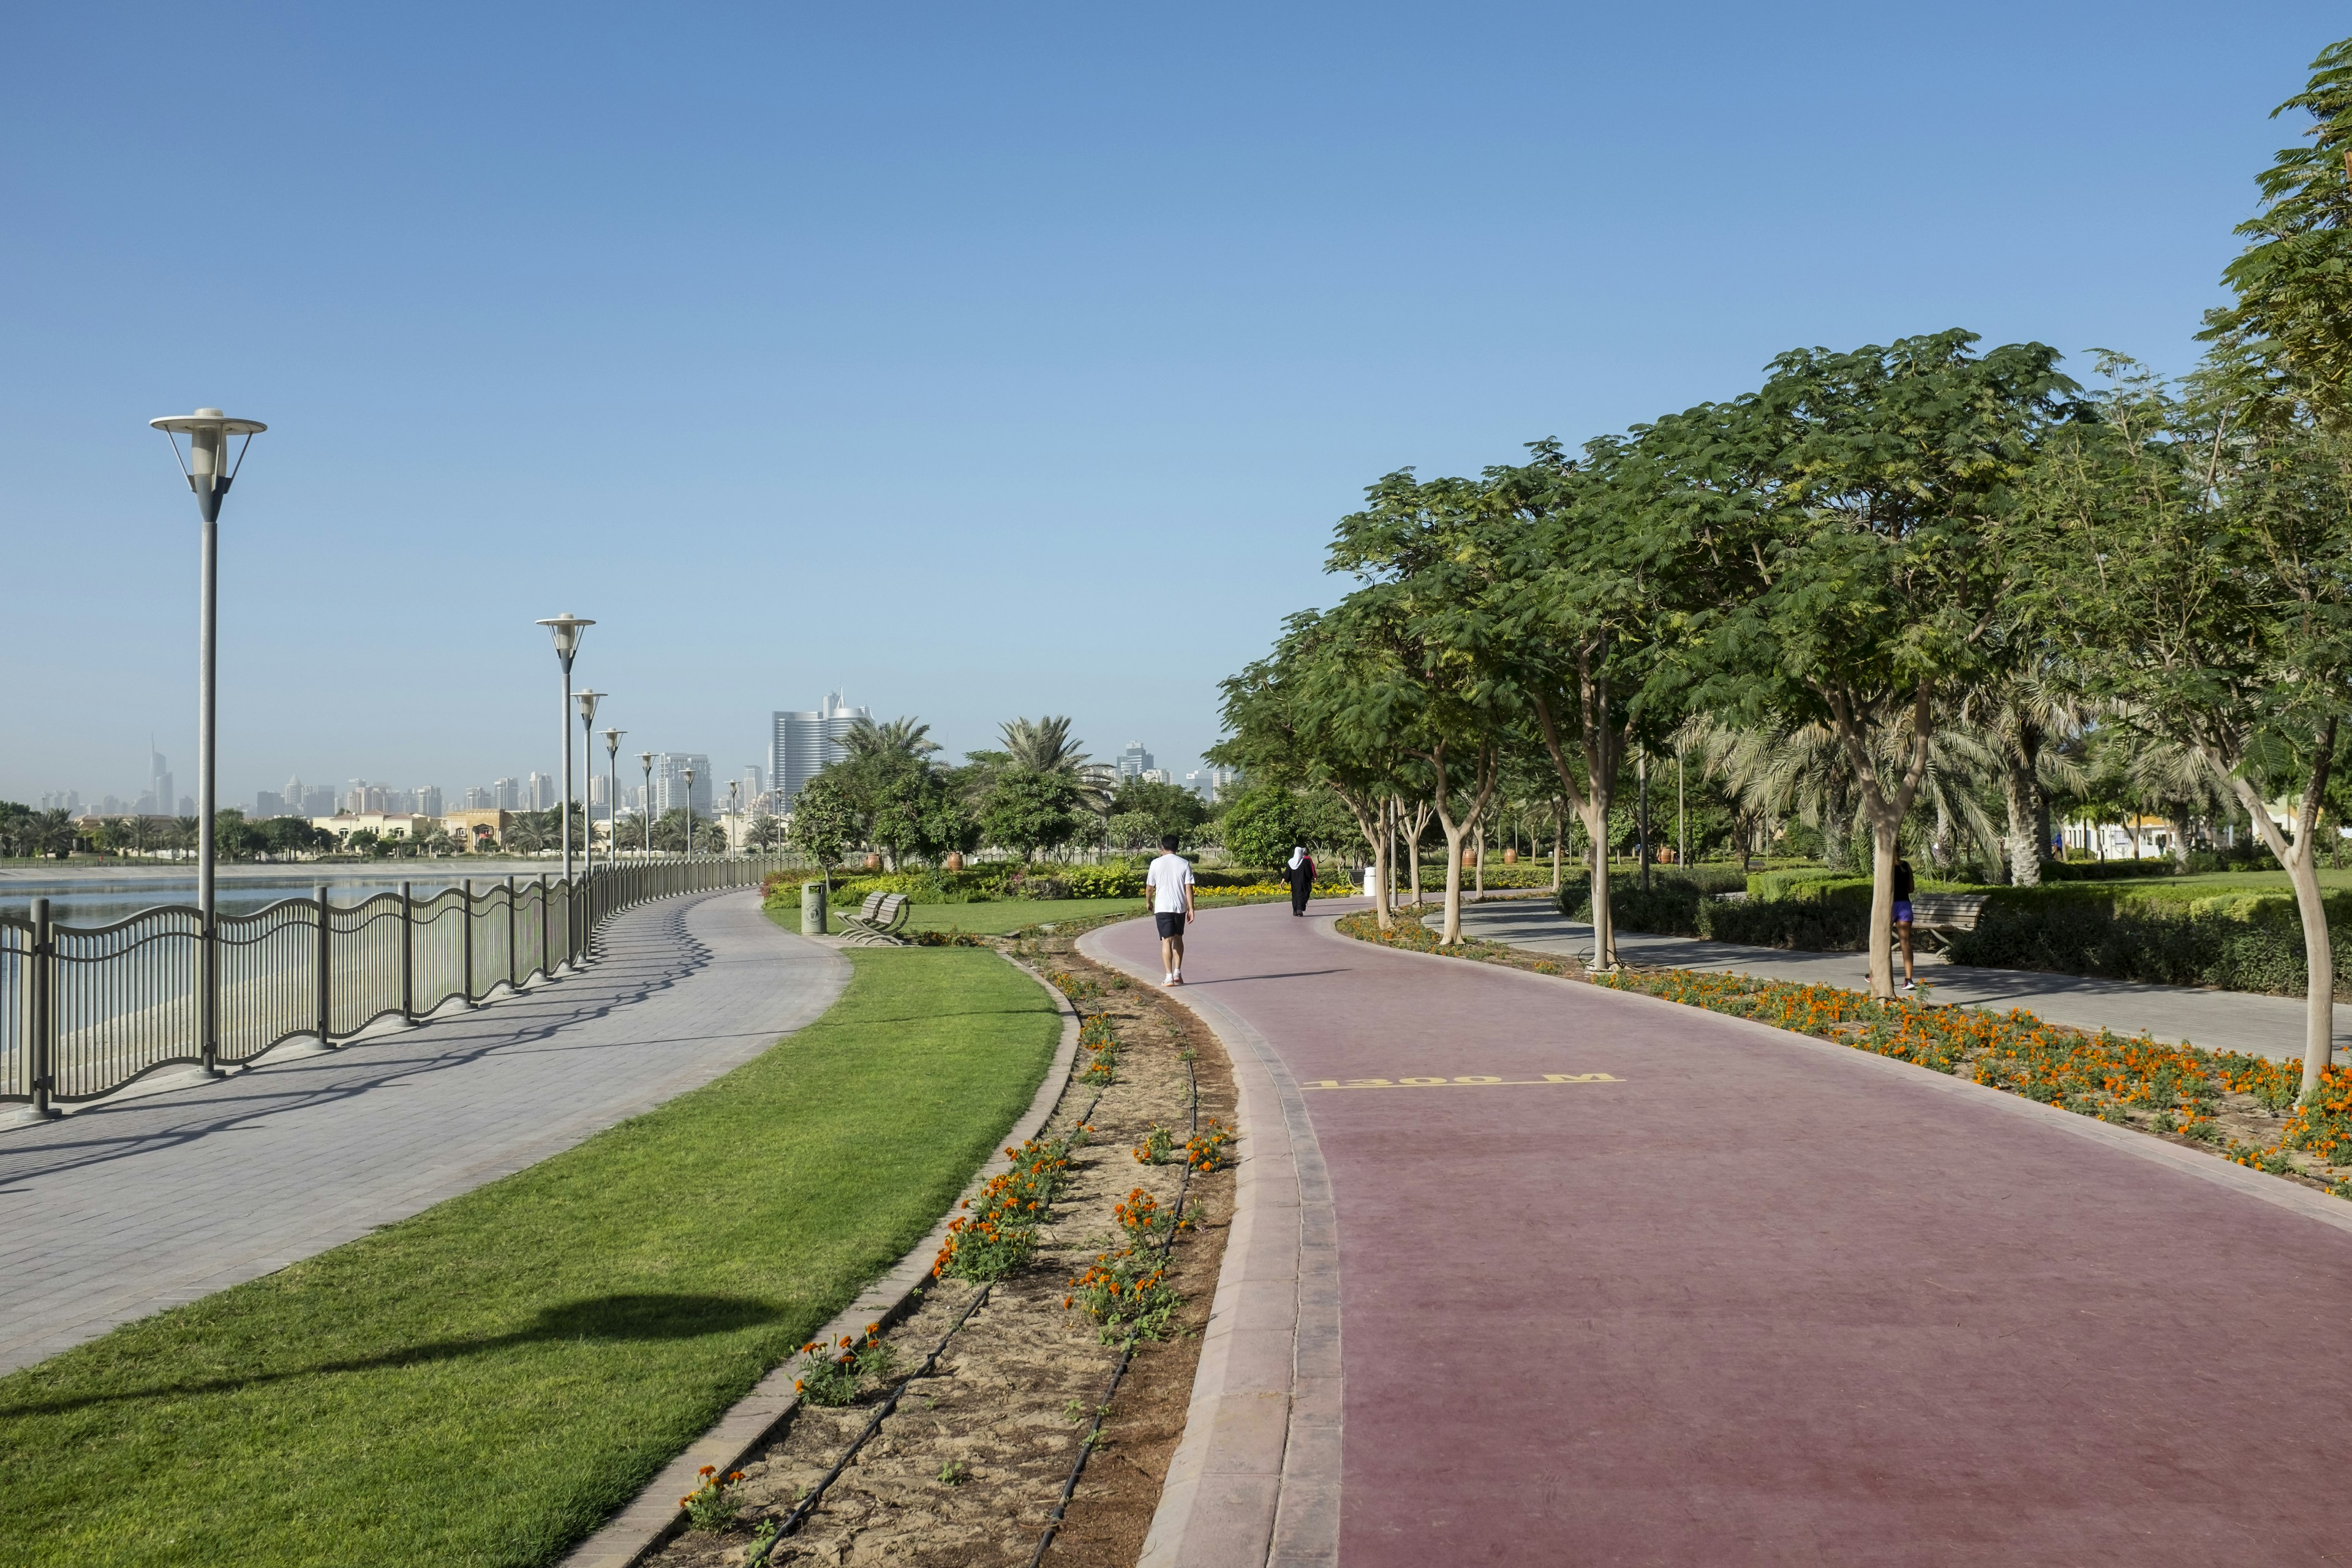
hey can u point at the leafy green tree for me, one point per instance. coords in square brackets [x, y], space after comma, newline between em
[825, 825]
[1853, 500]
[1167, 808]
[1028, 812]
[2195, 564]
[1417, 667]
[1262, 824]
[2285, 340]
[766, 832]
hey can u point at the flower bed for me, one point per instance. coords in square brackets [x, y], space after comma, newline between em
[2174, 1090]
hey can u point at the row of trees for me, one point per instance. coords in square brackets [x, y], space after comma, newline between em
[1873, 552]
[1036, 792]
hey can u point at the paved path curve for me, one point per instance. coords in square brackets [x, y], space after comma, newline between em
[132, 1205]
[1760, 1299]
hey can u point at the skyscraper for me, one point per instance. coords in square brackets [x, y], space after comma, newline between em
[160, 798]
[428, 800]
[505, 796]
[479, 799]
[266, 803]
[1134, 761]
[804, 743]
[670, 782]
[541, 790]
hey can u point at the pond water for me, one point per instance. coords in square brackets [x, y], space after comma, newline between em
[99, 897]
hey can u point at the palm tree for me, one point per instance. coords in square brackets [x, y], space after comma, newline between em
[1044, 747]
[905, 736]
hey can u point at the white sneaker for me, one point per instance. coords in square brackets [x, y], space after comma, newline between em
[1177, 978]
[1168, 978]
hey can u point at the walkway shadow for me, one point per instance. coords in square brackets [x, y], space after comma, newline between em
[638, 1317]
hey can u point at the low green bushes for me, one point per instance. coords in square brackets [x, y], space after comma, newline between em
[2109, 870]
[2234, 941]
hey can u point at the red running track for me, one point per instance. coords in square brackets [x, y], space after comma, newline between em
[1768, 1300]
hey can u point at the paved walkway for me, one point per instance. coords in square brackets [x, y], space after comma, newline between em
[1745, 1298]
[2218, 1020]
[137, 1204]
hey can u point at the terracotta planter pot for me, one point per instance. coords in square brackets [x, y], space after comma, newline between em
[1510, 856]
[954, 861]
[874, 862]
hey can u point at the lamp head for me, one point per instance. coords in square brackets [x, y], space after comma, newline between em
[587, 701]
[612, 741]
[567, 628]
[206, 467]
[688, 771]
[647, 759]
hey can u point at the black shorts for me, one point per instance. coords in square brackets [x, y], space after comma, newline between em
[1171, 922]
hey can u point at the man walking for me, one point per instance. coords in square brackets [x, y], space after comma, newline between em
[1168, 883]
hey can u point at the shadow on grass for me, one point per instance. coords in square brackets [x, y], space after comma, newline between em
[603, 1317]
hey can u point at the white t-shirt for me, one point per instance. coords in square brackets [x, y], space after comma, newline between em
[1169, 876]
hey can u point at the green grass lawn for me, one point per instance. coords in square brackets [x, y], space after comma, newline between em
[485, 1382]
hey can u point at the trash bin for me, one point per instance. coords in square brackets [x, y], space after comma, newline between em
[1372, 882]
[811, 909]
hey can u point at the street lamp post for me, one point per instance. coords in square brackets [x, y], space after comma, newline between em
[566, 628]
[647, 759]
[613, 790]
[688, 771]
[734, 814]
[209, 475]
[587, 701]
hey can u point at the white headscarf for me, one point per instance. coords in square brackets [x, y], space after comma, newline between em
[1297, 853]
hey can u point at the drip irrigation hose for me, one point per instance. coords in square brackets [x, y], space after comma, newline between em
[807, 1504]
[1126, 1355]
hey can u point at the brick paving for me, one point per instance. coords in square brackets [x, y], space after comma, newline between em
[140, 1204]
[1748, 1297]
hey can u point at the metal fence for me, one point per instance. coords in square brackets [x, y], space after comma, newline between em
[85, 1010]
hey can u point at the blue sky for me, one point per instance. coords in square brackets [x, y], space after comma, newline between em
[978, 364]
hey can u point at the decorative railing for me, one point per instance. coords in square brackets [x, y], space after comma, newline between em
[85, 1010]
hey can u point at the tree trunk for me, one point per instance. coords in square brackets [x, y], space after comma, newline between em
[1604, 923]
[2301, 861]
[1559, 831]
[2025, 841]
[1451, 931]
[1884, 829]
[1480, 851]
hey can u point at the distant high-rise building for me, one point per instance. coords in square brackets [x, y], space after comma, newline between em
[66, 800]
[187, 805]
[159, 784]
[266, 803]
[1211, 783]
[596, 792]
[317, 800]
[113, 805]
[426, 800]
[294, 795]
[670, 790]
[478, 799]
[1134, 761]
[803, 743]
[505, 796]
[1155, 776]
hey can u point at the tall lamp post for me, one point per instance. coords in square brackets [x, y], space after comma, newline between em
[209, 474]
[734, 814]
[647, 759]
[688, 771]
[613, 790]
[587, 701]
[567, 628]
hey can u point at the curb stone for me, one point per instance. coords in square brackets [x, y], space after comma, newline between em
[1255, 1477]
[654, 1516]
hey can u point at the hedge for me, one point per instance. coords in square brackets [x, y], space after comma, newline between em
[2235, 942]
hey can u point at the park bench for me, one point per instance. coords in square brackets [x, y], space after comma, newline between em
[879, 921]
[1939, 914]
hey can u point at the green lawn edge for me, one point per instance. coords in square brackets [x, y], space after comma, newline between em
[486, 1381]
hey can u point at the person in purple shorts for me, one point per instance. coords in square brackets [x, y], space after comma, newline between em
[1168, 884]
[1903, 919]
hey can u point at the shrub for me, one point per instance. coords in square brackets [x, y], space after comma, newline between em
[1158, 1146]
[834, 1374]
[1206, 1150]
[2234, 941]
[2108, 870]
[1128, 1293]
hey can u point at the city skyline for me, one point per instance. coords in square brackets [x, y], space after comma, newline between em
[514, 791]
